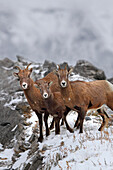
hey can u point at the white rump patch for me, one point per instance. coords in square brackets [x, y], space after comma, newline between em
[110, 85]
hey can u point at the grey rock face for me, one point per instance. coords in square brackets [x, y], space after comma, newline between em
[86, 69]
[6, 62]
[9, 120]
[13, 105]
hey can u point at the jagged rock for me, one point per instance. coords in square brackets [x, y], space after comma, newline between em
[36, 162]
[11, 119]
[45, 147]
[11, 122]
[22, 60]
[62, 66]
[86, 69]
[6, 62]
[87, 118]
[24, 107]
[32, 138]
[50, 66]
[110, 80]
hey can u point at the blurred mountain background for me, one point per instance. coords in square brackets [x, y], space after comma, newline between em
[62, 30]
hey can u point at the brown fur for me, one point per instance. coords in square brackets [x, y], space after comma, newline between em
[55, 87]
[85, 95]
[34, 98]
[54, 105]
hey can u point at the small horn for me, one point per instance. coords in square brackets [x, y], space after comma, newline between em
[17, 68]
[66, 67]
[58, 67]
[28, 66]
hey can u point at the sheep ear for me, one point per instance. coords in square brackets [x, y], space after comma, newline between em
[65, 67]
[58, 67]
[50, 83]
[15, 74]
[55, 72]
[70, 70]
[37, 86]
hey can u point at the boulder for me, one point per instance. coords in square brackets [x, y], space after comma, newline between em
[50, 66]
[86, 69]
[9, 120]
[6, 62]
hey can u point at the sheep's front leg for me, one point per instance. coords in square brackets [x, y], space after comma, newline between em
[46, 123]
[40, 139]
[57, 126]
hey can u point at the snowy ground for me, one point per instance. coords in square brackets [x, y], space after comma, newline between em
[90, 150]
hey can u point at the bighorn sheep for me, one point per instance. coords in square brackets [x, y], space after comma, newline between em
[55, 87]
[34, 97]
[84, 96]
[54, 104]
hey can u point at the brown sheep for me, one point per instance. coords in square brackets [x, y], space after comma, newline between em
[54, 104]
[55, 87]
[85, 96]
[34, 97]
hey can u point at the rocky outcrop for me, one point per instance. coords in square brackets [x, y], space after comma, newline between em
[14, 109]
[86, 69]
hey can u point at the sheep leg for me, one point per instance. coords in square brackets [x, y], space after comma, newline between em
[105, 119]
[46, 123]
[62, 123]
[67, 126]
[82, 116]
[77, 123]
[52, 124]
[57, 126]
[64, 118]
[40, 139]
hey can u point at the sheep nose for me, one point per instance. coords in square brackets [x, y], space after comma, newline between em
[45, 95]
[63, 83]
[24, 85]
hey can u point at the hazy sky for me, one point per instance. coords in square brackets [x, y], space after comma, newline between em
[62, 30]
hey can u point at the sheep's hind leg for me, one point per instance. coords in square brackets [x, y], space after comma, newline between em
[105, 119]
[57, 126]
[67, 126]
[77, 123]
[62, 123]
[52, 124]
[82, 116]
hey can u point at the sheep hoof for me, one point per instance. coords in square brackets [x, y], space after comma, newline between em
[71, 130]
[57, 133]
[100, 129]
[40, 139]
[51, 127]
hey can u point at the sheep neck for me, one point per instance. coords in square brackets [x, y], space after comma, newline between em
[31, 92]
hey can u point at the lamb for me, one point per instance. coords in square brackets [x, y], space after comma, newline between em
[54, 104]
[34, 97]
[85, 96]
[55, 87]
